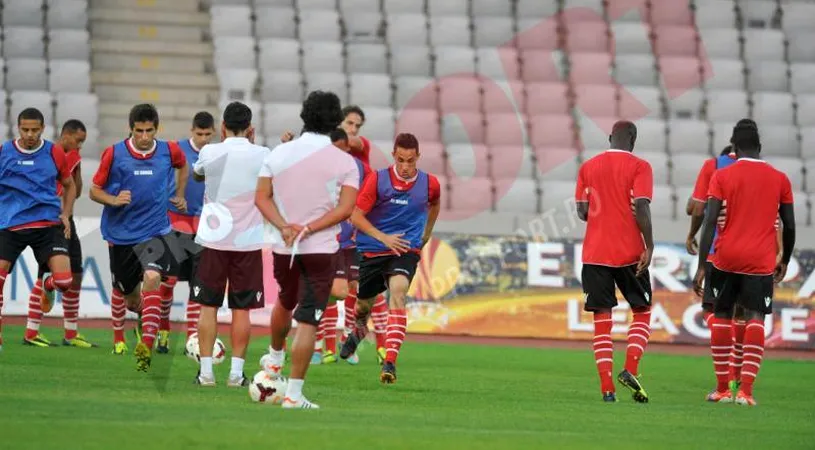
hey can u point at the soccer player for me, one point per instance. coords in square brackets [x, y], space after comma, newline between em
[41, 300]
[184, 226]
[346, 277]
[306, 188]
[133, 184]
[229, 170]
[617, 251]
[394, 217]
[744, 264]
[32, 215]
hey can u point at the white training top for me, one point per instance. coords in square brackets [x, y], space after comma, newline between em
[229, 219]
[307, 176]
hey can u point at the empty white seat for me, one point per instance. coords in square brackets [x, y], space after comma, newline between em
[351, 7]
[538, 66]
[327, 81]
[491, 8]
[23, 42]
[492, 31]
[449, 30]
[319, 25]
[537, 34]
[663, 202]
[380, 123]
[69, 44]
[802, 78]
[792, 167]
[237, 84]
[504, 129]
[459, 93]
[720, 42]
[323, 57]
[810, 179]
[277, 54]
[672, 13]
[688, 136]
[722, 131]
[406, 29]
[2, 83]
[521, 196]
[67, 75]
[806, 110]
[587, 37]
[715, 13]
[595, 5]
[800, 48]
[773, 108]
[370, 89]
[767, 76]
[453, 60]
[64, 14]
[594, 133]
[284, 86]
[449, 8]
[555, 195]
[726, 74]
[678, 74]
[639, 70]
[779, 140]
[498, 63]
[652, 135]
[759, 13]
[26, 74]
[688, 105]
[685, 168]
[589, 68]
[259, 3]
[763, 45]
[631, 37]
[503, 97]
[22, 13]
[596, 100]
[434, 162]
[797, 15]
[726, 106]
[808, 146]
[411, 60]
[424, 123]
[415, 92]
[281, 117]
[276, 22]
[81, 106]
[658, 161]
[468, 160]
[463, 127]
[239, 53]
[676, 40]
[547, 98]
[636, 102]
[231, 20]
[401, 6]
[368, 58]
[801, 207]
[511, 161]
[316, 4]
[473, 196]
[41, 100]
[364, 26]
[557, 164]
[535, 9]
[552, 131]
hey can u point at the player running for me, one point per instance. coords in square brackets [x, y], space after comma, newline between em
[617, 250]
[395, 214]
[346, 276]
[184, 225]
[231, 235]
[33, 215]
[744, 264]
[41, 300]
[132, 183]
[306, 188]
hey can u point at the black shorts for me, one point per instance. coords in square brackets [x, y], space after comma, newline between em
[707, 296]
[375, 272]
[129, 262]
[242, 271]
[74, 253]
[185, 263]
[752, 292]
[599, 282]
[45, 242]
[306, 285]
[347, 264]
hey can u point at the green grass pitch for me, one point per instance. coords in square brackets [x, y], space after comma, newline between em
[448, 396]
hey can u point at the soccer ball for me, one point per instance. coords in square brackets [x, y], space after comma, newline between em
[194, 353]
[264, 389]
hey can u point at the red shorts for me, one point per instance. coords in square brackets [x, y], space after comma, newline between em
[243, 271]
[306, 285]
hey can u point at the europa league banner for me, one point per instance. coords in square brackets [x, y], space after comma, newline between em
[510, 287]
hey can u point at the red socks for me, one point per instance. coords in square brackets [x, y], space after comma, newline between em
[396, 330]
[329, 324]
[32, 328]
[738, 351]
[604, 350]
[166, 302]
[350, 311]
[753, 353]
[379, 314]
[638, 334]
[721, 344]
[70, 311]
[60, 281]
[707, 315]
[150, 316]
[117, 313]
[193, 313]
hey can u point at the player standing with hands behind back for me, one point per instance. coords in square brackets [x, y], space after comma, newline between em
[617, 251]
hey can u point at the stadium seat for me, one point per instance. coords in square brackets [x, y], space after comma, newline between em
[239, 53]
[504, 97]
[41, 100]
[275, 55]
[638, 70]
[773, 108]
[352, 7]
[67, 75]
[652, 135]
[284, 86]
[538, 34]
[231, 20]
[407, 90]
[2, 83]
[468, 160]
[685, 168]
[323, 57]
[368, 58]
[463, 127]
[596, 100]
[596, 5]
[22, 13]
[798, 15]
[424, 123]
[658, 161]
[551, 131]
[802, 205]
[631, 37]
[683, 194]
[64, 14]
[492, 31]
[588, 37]
[547, 98]
[805, 116]
[557, 164]
[726, 74]
[23, 42]
[808, 143]
[504, 162]
[319, 25]
[379, 124]
[589, 68]
[407, 29]
[498, 63]
[401, 7]
[779, 140]
[504, 129]
[281, 117]
[449, 8]
[726, 106]
[453, 60]
[688, 136]
[675, 40]
[631, 105]
[556, 195]
[759, 13]
[26, 74]
[720, 42]
[327, 81]
[535, 9]
[491, 8]
[521, 196]
[768, 76]
[82, 106]
[802, 78]
[810, 180]
[792, 167]
[722, 131]
[306, 5]
[663, 201]
[764, 45]
[715, 13]
[461, 93]
[540, 66]
[800, 48]
[69, 44]
[413, 60]
[677, 12]
[470, 196]
[679, 74]
[370, 89]
[237, 84]
[364, 26]
[276, 22]
[594, 133]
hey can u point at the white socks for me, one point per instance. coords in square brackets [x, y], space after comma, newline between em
[278, 356]
[206, 367]
[294, 391]
[237, 368]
